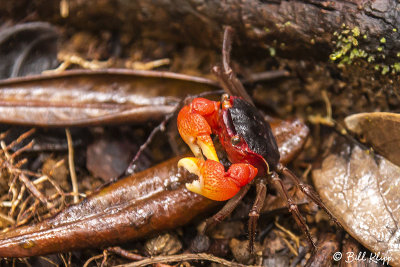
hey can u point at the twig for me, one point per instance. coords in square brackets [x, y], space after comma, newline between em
[30, 211]
[34, 191]
[20, 138]
[7, 218]
[22, 149]
[63, 259]
[327, 120]
[226, 75]
[92, 259]
[16, 198]
[184, 257]
[48, 260]
[72, 166]
[266, 75]
[131, 168]
[292, 236]
[137, 65]
[22, 207]
[126, 254]
[60, 192]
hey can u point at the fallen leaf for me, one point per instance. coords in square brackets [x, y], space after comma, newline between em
[362, 192]
[28, 48]
[86, 97]
[380, 130]
[108, 158]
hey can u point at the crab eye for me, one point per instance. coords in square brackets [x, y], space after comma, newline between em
[224, 97]
[225, 103]
[235, 140]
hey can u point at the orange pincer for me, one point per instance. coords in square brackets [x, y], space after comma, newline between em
[195, 131]
[214, 183]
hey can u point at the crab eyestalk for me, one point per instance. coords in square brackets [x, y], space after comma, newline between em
[214, 183]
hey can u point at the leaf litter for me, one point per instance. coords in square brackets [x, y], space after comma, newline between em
[361, 189]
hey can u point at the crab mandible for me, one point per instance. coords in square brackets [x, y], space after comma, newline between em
[243, 133]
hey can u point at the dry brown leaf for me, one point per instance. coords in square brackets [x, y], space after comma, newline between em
[87, 97]
[362, 191]
[380, 130]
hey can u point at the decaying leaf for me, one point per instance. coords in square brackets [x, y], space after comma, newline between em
[362, 191]
[86, 97]
[380, 130]
[28, 48]
[144, 203]
[107, 158]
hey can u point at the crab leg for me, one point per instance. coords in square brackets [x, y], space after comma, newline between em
[226, 209]
[292, 206]
[255, 213]
[307, 190]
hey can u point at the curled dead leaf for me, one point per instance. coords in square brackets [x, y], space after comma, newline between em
[362, 191]
[27, 49]
[380, 130]
[87, 97]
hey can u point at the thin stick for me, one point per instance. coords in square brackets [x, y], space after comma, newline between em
[92, 259]
[72, 166]
[184, 257]
[16, 198]
[126, 254]
[34, 191]
[227, 76]
[22, 149]
[7, 218]
[48, 260]
[131, 168]
[21, 138]
[266, 75]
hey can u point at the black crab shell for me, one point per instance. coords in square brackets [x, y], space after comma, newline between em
[251, 126]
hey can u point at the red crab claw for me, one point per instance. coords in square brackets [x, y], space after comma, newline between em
[194, 127]
[214, 183]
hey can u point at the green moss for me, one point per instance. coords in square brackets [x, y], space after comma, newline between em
[396, 67]
[356, 31]
[370, 59]
[379, 48]
[385, 69]
[287, 23]
[358, 53]
[346, 46]
[383, 40]
[272, 51]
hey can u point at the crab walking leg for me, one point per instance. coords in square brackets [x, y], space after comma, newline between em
[307, 190]
[255, 213]
[277, 183]
[226, 209]
[214, 183]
